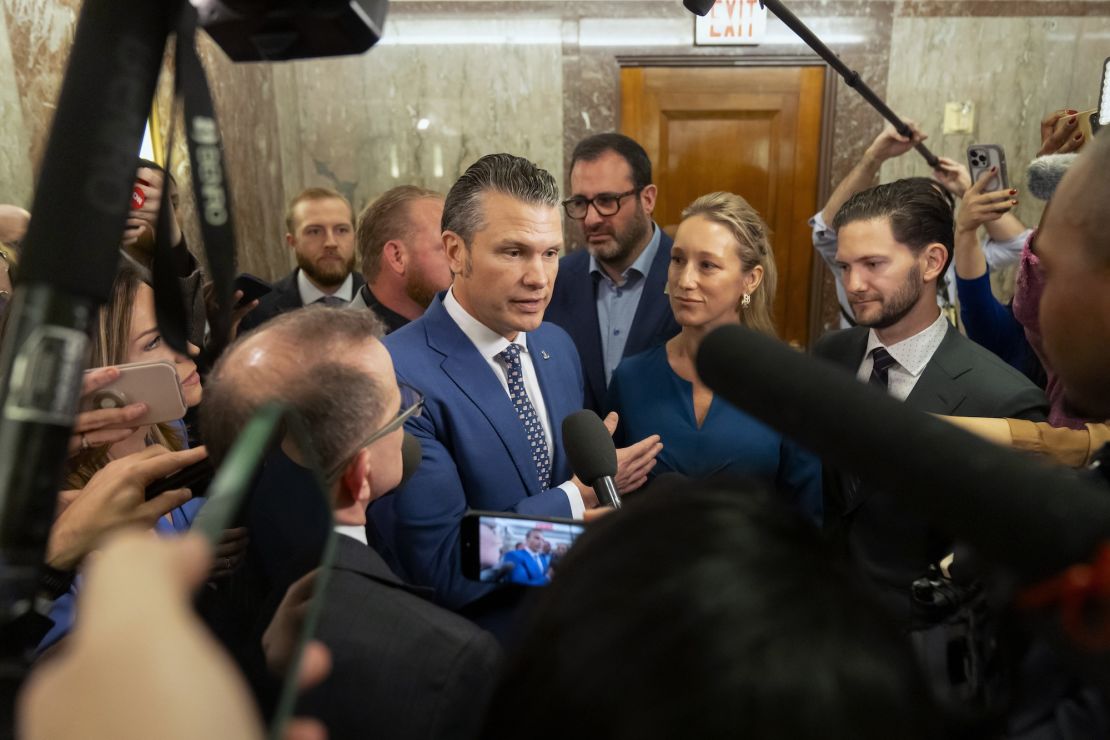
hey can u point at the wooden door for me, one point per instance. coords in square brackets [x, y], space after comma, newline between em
[754, 131]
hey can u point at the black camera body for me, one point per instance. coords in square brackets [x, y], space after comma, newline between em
[257, 30]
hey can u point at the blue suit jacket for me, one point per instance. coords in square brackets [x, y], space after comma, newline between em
[475, 452]
[574, 307]
[526, 571]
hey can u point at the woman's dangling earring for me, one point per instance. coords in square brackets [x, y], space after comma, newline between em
[747, 301]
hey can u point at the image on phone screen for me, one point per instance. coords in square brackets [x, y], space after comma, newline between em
[505, 548]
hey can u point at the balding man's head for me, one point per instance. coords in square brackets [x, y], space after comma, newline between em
[327, 364]
[1074, 247]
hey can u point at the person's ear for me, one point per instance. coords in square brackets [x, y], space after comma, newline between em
[456, 252]
[753, 279]
[935, 256]
[393, 254]
[290, 241]
[355, 481]
[647, 199]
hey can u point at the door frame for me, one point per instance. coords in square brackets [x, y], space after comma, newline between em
[828, 110]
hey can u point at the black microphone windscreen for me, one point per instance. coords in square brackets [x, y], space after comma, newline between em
[589, 446]
[699, 7]
[1019, 512]
[411, 452]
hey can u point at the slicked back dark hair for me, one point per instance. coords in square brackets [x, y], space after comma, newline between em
[498, 173]
[919, 211]
[589, 149]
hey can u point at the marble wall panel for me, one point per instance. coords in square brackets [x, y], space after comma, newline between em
[1038, 65]
[15, 160]
[39, 34]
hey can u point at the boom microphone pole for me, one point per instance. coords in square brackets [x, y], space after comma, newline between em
[851, 77]
[67, 269]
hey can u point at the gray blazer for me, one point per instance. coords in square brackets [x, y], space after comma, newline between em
[894, 546]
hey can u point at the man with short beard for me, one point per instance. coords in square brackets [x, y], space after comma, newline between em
[610, 296]
[321, 233]
[403, 257]
[895, 242]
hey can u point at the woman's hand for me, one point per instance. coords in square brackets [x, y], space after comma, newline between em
[103, 426]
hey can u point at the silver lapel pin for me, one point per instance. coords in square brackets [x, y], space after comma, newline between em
[544, 355]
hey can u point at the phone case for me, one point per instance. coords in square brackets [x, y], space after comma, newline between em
[981, 157]
[152, 383]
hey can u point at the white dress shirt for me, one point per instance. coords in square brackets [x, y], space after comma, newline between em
[310, 293]
[490, 344]
[352, 531]
[911, 356]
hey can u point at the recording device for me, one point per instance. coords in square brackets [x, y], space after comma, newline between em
[851, 77]
[153, 383]
[592, 455]
[1046, 172]
[1019, 513]
[980, 159]
[256, 30]
[411, 454]
[252, 287]
[245, 492]
[1103, 116]
[195, 477]
[497, 547]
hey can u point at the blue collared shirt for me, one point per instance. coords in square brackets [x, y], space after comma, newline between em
[616, 304]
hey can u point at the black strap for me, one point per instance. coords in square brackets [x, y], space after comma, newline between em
[213, 205]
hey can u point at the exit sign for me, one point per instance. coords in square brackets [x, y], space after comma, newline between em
[731, 22]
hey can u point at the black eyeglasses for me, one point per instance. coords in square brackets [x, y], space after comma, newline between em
[412, 403]
[606, 204]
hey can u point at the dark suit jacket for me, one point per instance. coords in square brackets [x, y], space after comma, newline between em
[892, 545]
[284, 297]
[574, 307]
[476, 454]
[401, 667]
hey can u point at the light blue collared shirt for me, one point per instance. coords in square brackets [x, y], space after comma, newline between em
[616, 304]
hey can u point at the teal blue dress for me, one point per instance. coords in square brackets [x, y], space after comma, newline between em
[651, 399]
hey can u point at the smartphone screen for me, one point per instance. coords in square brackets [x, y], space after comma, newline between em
[282, 506]
[510, 548]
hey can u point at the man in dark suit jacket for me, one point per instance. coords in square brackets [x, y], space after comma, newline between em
[610, 297]
[321, 233]
[895, 241]
[498, 381]
[401, 666]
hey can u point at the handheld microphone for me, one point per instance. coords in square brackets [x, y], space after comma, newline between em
[592, 455]
[1020, 513]
[699, 7]
[411, 452]
[1046, 172]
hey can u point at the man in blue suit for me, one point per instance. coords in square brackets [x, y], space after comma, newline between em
[529, 563]
[609, 297]
[498, 382]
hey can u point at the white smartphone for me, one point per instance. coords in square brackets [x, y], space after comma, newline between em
[153, 383]
[980, 158]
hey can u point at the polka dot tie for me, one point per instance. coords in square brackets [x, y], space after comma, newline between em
[527, 414]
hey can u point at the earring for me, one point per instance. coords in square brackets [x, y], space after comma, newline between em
[746, 302]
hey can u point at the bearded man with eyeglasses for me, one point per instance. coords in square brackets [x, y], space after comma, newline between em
[609, 297]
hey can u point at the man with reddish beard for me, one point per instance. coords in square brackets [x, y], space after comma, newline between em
[321, 233]
[894, 243]
[498, 382]
[403, 257]
[610, 296]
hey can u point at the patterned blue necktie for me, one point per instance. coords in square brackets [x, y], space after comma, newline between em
[527, 414]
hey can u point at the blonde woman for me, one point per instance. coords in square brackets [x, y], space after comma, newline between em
[722, 272]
